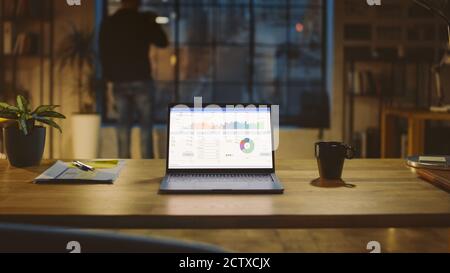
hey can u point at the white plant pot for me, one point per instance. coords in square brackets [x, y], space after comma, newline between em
[86, 135]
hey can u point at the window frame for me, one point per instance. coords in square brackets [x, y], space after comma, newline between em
[177, 5]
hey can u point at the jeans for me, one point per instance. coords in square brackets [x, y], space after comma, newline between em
[130, 97]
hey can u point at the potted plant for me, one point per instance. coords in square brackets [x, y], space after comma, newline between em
[76, 50]
[24, 139]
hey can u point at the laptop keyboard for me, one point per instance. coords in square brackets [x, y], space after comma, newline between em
[220, 178]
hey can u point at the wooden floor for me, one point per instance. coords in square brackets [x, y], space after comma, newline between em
[317, 240]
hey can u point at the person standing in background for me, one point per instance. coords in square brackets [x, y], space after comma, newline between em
[125, 41]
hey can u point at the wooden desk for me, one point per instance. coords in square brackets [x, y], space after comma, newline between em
[387, 194]
[416, 130]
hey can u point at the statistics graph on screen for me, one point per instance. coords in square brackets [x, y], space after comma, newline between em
[220, 138]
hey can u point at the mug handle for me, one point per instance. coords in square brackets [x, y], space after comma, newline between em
[349, 152]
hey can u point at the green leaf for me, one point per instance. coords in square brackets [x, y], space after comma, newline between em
[49, 122]
[22, 103]
[50, 114]
[4, 105]
[8, 115]
[45, 108]
[9, 111]
[23, 125]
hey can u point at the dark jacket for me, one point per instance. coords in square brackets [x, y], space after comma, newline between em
[125, 40]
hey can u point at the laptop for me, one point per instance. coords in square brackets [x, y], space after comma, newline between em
[220, 149]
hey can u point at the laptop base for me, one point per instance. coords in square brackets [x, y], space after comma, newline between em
[221, 184]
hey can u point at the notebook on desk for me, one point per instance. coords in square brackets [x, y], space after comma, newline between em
[106, 172]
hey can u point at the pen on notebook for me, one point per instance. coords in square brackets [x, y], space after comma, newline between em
[82, 166]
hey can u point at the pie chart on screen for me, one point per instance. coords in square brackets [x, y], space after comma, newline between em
[247, 145]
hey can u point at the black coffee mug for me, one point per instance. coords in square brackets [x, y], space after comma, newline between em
[330, 158]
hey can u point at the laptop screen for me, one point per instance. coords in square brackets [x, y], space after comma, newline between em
[220, 138]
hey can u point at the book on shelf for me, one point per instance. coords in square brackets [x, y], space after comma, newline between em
[27, 44]
[9, 7]
[21, 8]
[364, 83]
[8, 38]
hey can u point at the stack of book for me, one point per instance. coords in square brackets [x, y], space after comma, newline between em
[364, 83]
[27, 44]
[8, 43]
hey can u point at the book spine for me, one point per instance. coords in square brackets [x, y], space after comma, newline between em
[8, 38]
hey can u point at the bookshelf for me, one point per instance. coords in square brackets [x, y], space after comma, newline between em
[26, 52]
[388, 55]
